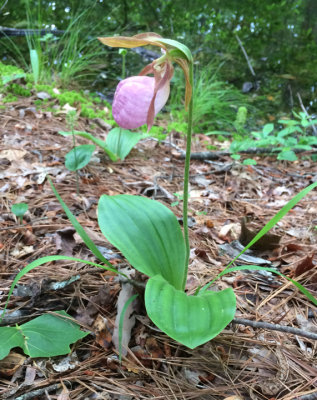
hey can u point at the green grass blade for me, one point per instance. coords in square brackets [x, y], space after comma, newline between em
[257, 268]
[269, 225]
[35, 63]
[47, 259]
[79, 229]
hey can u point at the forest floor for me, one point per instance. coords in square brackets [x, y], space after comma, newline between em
[243, 362]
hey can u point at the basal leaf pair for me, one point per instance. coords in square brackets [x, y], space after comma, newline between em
[118, 144]
[153, 244]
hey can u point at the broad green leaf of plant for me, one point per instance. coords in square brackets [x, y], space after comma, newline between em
[249, 161]
[305, 147]
[267, 129]
[19, 209]
[310, 140]
[95, 140]
[46, 336]
[190, 320]
[79, 156]
[288, 131]
[288, 122]
[310, 123]
[287, 155]
[147, 233]
[10, 337]
[121, 141]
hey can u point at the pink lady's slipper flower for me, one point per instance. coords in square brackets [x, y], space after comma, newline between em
[139, 98]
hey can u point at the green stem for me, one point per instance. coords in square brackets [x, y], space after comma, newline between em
[186, 172]
[123, 66]
[77, 182]
[76, 172]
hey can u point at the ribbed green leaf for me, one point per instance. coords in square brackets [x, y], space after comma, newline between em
[121, 141]
[10, 337]
[147, 233]
[190, 320]
[79, 156]
[46, 336]
[50, 335]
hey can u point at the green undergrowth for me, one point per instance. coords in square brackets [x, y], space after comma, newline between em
[7, 70]
[13, 86]
[215, 102]
[10, 98]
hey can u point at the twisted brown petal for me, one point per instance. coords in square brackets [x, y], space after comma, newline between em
[160, 82]
[148, 69]
[141, 39]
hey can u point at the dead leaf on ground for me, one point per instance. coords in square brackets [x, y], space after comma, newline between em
[307, 265]
[11, 363]
[269, 241]
[104, 331]
[102, 300]
[66, 363]
[12, 154]
[64, 395]
[64, 241]
[126, 293]
[229, 232]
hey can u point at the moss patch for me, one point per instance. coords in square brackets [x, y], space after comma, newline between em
[10, 98]
[89, 104]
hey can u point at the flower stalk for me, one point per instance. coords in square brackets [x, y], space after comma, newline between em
[186, 172]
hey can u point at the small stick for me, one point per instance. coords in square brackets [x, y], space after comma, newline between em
[245, 55]
[215, 155]
[275, 327]
[5, 3]
[38, 392]
[310, 396]
[305, 111]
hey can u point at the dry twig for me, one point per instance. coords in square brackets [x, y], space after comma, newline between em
[275, 327]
